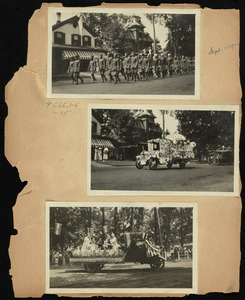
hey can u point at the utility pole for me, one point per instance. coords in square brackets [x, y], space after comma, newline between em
[154, 33]
[155, 225]
[159, 228]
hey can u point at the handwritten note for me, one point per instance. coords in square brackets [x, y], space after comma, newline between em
[61, 108]
[220, 50]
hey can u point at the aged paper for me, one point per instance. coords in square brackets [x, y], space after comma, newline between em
[46, 139]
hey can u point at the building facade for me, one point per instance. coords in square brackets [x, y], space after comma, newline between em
[100, 142]
[72, 37]
[146, 129]
[135, 32]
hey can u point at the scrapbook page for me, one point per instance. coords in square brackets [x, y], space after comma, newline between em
[125, 122]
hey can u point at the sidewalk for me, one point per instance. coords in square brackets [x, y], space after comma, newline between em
[113, 163]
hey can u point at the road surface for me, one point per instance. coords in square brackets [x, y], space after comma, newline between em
[195, 177]
[178, 85]
[130, 275]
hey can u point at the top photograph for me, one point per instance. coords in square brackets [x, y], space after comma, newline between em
[132, 53]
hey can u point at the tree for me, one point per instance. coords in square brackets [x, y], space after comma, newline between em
[208, 129]
[110, 32]
[118, 124]
[183, 225]
[170, 225]
[181, 32]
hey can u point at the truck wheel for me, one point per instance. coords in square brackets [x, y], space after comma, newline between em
[182, 165]
[157, 263]
[137, 164]
[169, 165]
[91, 267]
[152, 164]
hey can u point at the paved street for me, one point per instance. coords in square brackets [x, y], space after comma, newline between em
[130, 275]
[195, 177]
[179, 85]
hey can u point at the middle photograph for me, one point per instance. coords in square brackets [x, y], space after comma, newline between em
[162, 150]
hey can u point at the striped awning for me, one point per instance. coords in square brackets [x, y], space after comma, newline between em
[83, 54]
[102, 143]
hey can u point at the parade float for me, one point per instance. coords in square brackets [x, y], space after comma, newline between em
[173, 149]
[136, 248]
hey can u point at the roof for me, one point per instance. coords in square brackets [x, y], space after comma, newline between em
[144, 113]
[135, 21]
[73, 20]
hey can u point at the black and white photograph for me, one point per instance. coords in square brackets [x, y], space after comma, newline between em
[123, 52]
[175, 150]
[121, 247]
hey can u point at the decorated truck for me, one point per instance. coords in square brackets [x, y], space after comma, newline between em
[174, 149]
[136, 248]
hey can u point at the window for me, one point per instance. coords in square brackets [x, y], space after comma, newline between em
[59, 37]
[94, 127]
[76, 39]
[86, 41]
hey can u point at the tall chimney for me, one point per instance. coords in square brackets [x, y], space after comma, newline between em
[58, 17]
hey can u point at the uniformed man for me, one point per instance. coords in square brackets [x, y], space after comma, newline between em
[115, 68]
[155, 66]
[110, 57]
[134, 66]
[163, 65]
[127, 66]
[70, 70]
[145, 66]
[140, 67]
[77, 64]
[149, 58]
[102, 67]
[122, 71]
[92, 68]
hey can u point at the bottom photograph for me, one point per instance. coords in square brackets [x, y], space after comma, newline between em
[121, 247]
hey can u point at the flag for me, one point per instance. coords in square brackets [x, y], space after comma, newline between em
[57, 228]
[105, 230]
[80, 24]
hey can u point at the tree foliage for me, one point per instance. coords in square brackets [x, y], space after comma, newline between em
[110, 32]
[181, 32]
[175, 224]
[122, 126]
[208, 129]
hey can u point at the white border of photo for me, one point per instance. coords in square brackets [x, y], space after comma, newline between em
[53, 10]
[236, 176]
[100, 291]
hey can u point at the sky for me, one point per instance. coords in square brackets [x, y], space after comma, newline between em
[160, 30]
[170, 122]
